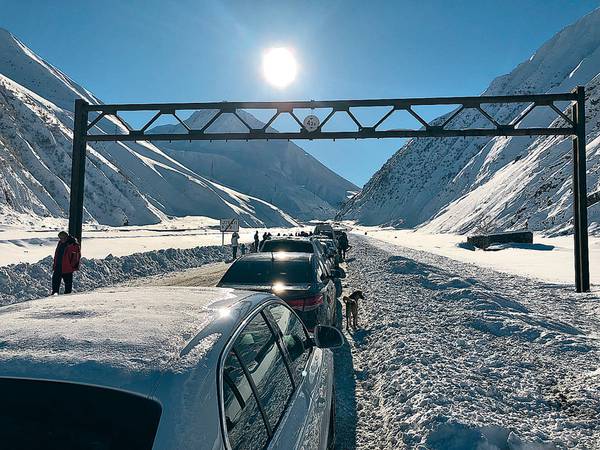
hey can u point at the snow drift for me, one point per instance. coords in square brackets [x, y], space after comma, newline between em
[452, 356]
[456, 184]
[25, 281]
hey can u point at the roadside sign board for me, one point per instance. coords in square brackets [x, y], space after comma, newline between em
[230, 225]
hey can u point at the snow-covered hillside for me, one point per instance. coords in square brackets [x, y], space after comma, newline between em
[282, 173]
[457, 184]
[136, 183]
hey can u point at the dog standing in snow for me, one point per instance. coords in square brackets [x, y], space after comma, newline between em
[351, 302]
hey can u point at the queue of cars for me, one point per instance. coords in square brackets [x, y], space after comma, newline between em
[303, 271]
[242, 366]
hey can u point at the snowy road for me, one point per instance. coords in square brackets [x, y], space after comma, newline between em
[207, 275]
[453, 356]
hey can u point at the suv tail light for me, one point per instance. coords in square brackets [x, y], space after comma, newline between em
[306, 304]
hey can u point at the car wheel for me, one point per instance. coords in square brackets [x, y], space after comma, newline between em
[331, 434]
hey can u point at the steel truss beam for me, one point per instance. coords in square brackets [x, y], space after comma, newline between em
[358, 131]
[87, 130]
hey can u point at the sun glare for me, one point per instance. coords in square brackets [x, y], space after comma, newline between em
[279, 66]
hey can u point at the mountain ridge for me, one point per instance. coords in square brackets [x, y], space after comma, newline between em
[452, 184]
[134, 182]
[313, 192]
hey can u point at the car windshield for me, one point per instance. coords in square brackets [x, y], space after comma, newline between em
[48, 414]
[268, 272]
[287, 246]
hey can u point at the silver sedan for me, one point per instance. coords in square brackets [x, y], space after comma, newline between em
[164, 368]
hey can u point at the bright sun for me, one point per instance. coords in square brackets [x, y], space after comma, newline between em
[279, 66]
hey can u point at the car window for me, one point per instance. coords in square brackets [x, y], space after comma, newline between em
[327, 233]
[294, 338]
[269, 272]
[287, 246]
[39, 414]
[319, 247]
[320, 271]
[258, 350]
[245, 426]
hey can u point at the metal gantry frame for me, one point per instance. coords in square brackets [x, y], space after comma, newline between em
[87, 116]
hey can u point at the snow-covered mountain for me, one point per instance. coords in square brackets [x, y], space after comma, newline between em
[458, 184]
[138, 183]
[282, 173]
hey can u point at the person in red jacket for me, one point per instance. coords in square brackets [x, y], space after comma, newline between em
[66, 261]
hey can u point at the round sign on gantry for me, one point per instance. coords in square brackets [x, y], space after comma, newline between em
[311, 122]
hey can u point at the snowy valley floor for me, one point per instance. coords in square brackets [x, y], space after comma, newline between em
[453, 356]
[449, 355]
[548, 258]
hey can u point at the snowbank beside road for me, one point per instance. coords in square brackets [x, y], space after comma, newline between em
[551, 261]
[25, 281]
[453, 356]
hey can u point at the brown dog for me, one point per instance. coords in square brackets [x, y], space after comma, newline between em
[351, 302]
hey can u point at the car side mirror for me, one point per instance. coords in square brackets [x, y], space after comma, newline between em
[328, 337]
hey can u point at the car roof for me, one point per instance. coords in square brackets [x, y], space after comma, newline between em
[276, 256]
[289, 238]
[120, 337]
[323, 238]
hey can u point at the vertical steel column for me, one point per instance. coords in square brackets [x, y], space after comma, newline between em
[580, 220]
[80, 120]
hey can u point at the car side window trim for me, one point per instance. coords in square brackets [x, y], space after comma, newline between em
[288, 359]
[236, 393]
[254, 392]
[230, 348]
[277, 332]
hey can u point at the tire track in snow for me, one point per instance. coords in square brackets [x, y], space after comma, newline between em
[450, 355]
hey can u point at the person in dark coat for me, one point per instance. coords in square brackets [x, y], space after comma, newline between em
[66, 261]
[256, 241]
[344, 244]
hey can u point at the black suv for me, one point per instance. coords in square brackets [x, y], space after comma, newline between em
[300, 279]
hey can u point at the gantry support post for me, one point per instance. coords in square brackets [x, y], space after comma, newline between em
[78, 168]
[580, 220]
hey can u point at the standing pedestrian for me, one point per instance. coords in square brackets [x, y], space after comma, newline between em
[243, 249]
[344, 244]
[235, 237]
[264, 239]
[66, 261]
[256, 241]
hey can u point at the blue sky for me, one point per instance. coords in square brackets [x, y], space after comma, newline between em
[167, 50]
